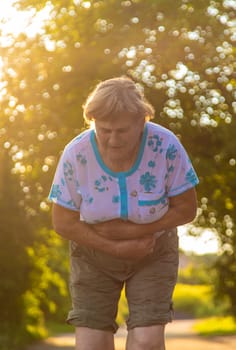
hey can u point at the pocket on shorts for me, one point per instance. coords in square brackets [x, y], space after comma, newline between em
[75, 249]
[82, 252]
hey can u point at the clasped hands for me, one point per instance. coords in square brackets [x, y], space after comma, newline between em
[129, 239]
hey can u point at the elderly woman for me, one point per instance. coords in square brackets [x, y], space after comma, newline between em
[120, 190]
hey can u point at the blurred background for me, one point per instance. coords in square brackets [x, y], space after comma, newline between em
[52, 53]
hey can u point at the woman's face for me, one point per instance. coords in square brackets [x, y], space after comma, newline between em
[119, 138]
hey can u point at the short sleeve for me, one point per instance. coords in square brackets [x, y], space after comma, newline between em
[65, 187]
[181, 175]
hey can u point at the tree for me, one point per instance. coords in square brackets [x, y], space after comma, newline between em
[14, 277]
[180, 52]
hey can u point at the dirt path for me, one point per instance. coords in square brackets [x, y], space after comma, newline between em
[179, 336]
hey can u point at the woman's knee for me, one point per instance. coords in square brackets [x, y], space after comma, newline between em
[148, 338]
[93, 339]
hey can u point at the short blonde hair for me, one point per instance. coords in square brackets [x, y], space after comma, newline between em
[114, 97]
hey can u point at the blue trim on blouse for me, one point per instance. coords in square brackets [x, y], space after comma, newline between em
[143, 203]
[123, 174]
[103, 165]
[123, 197]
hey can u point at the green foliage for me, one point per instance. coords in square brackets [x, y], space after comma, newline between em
[56, 327]
[225, 279]
[197, 301]
[198, 270]
[122, 309]
[33, 270]
[33, 318]
[14, 262]
[216, 326]
[49, 275]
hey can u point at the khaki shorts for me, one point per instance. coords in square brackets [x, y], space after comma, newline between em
[97, 279]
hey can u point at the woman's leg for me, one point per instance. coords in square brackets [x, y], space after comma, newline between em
[93, 339]
[95, 297]
[148, 338]
[149, 295]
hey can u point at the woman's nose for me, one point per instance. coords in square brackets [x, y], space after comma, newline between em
[114, 139]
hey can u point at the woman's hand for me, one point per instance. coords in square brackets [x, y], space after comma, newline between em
[67, 224]
[134, 249]
[119, 229]
[182, 209]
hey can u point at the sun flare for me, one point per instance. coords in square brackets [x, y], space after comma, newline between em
[13, 22]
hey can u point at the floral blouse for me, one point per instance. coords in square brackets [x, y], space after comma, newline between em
[84, 183]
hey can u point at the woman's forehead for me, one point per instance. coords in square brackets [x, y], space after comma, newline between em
[118, 122]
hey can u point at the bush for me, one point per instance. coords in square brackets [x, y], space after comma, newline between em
[216, 326]
[197, 269]
[123, 311]
[197, 301]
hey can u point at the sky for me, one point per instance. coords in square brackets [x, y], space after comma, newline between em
[15, 22]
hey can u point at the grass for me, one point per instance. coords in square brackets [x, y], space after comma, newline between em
[216, 326]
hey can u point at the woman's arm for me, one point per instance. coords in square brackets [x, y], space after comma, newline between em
[67, 223]
[182, 209]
